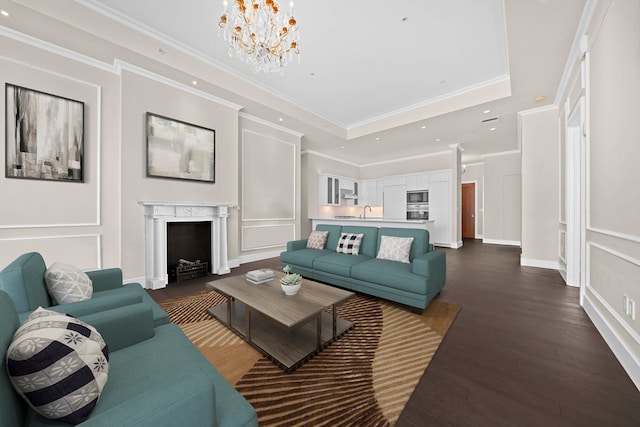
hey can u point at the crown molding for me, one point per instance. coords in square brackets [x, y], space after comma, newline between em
[264, 122]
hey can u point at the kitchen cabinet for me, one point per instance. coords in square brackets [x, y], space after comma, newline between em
[418, 181]
[395, 201]
[329, 190]
[440, 207]
[371, 192]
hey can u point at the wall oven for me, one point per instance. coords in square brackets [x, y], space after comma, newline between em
[417, 211]
[421, 196]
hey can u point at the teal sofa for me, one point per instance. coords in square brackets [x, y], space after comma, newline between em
[414, 284]
[157, 377]
[24, 281]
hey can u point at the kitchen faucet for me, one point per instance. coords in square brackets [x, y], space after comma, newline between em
[364, 211]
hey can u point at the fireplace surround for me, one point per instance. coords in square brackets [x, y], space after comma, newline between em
[157, 214]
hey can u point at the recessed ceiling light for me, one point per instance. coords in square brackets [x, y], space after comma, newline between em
[377, 138]
[538, 99]
[342, 146]
[492, 128]
[486, 111]
[194, 82]
[438, 140]
[4, 13]
[423, 127]
[281, 119]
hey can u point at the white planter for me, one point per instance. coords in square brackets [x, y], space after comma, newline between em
[290, 289]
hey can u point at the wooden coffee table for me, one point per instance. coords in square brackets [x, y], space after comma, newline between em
[287, 329]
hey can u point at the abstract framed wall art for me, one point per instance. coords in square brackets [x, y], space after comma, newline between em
[44, 136]
[179, 150]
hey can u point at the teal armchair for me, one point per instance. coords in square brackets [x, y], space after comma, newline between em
[23, 280]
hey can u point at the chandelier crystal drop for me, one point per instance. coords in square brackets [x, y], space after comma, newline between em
[260, 35]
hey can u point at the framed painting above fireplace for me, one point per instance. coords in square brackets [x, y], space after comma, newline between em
[179, 150]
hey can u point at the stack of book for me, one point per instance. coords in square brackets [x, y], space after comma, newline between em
[259, 276]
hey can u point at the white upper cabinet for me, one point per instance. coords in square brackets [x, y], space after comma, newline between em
[371, 192]
[329, 190]
[418, 181]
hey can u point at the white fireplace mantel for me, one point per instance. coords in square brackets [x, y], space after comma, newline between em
[157, 214]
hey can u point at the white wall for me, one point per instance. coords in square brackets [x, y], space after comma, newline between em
[502, 199]
[539, 135]
[612, 228]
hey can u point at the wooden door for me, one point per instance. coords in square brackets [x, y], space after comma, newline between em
[469, 210]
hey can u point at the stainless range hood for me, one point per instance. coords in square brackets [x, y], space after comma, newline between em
[347, 194]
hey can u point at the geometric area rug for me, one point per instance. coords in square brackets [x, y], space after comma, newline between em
[365, 378]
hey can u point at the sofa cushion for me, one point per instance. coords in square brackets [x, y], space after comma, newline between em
[59, 364]
[317, 239]
[338, 263]
[369, 244]
[349, 243]
[393, 274]
[66, 283]
[303, 257]
[395, 248]
[334, 234]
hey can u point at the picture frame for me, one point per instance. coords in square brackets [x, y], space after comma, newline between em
[44, 136]
[179, 150]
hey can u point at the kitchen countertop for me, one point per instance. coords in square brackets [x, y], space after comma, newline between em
[375, 219]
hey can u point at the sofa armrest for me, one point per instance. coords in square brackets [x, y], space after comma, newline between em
[295, 245]
[432, 265]
[124, 326]
[106, 279]
[96, 305]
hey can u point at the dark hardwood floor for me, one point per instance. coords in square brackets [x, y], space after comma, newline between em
[522, 352]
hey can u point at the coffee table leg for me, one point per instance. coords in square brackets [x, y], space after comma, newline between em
[247, 320]
[319, 324]
[229, 311]
[335, 322]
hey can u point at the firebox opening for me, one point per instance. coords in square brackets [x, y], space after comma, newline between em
[188, 250]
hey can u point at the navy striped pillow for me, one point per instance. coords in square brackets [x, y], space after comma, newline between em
[59, 364]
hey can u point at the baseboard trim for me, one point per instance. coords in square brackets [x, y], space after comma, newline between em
[456, 245]
[260, 256]
[626, 358]
[502, 242]
[539, 263]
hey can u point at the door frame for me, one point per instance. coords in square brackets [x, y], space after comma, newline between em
[575, 205]
[475, 207]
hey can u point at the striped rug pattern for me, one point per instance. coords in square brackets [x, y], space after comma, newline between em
[365, 378]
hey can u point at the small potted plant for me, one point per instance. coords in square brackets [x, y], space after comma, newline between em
[291, 282]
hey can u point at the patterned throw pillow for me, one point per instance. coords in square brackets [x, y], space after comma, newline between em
[395, 248]
[317, 239]
[59, 364]
[67, 283]
[349, 243]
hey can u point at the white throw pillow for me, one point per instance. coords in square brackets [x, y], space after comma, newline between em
[395, 248]
[59, 365]
[349, 243]
[67, 283]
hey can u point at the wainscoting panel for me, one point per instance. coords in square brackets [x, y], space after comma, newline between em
[68, 204]
[266, 236]
[608, 271]
[268, 178]
[81, 250]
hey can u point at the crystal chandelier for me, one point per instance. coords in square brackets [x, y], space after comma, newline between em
[260, 35]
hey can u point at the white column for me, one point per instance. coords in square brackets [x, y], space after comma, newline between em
[222, 246]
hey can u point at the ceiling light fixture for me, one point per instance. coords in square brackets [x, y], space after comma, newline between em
[492, 128]
[486, 111]
[4, 13]
[539, 99]
[259, 34]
